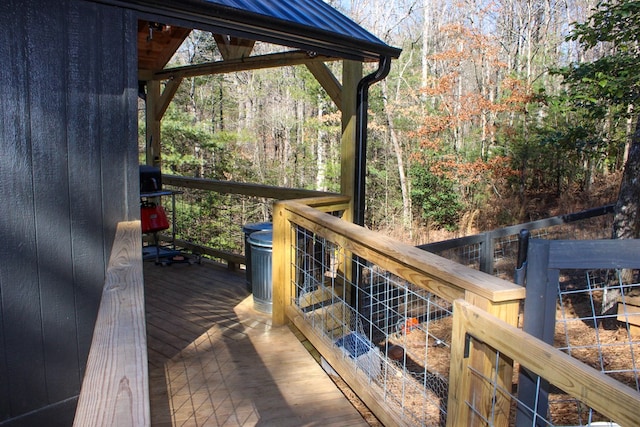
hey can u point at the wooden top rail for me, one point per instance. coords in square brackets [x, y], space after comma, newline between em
[597, 390]
[115, 389]
[246, 189]
[445, 278]
[327, 203]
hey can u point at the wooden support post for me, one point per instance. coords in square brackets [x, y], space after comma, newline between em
[469, 370]
[153, 155]
[351, 76]
[459, 378]
[282, 264]
[486, 253]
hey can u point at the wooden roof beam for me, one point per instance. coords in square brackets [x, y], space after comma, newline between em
[233, 47]
[157, 46]
[273, 60]
[327, 80]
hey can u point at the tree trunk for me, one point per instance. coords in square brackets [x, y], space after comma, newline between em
[320, 149]
[626, 221]
[406, 199]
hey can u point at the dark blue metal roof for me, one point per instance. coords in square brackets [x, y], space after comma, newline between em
[311, 13]
[307, 24]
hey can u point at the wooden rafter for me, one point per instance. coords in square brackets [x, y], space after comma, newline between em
[242, 64]
[233, 47]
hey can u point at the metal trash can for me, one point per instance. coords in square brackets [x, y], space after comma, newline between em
[247, 230]
[261, 243]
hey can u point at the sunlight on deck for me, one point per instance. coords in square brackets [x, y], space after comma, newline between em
[215, 361]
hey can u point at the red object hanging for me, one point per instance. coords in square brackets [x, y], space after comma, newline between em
[153, 218]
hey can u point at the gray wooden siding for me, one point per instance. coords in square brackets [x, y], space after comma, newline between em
[68, 174]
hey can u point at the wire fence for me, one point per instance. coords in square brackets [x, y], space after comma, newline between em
[398, 336]
[496, 252]
[577, 394]
[565, 409]
[395, 334]
[581, 299]
[596, 322]
[216, 220]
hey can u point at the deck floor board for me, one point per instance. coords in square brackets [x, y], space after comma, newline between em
[215, 361]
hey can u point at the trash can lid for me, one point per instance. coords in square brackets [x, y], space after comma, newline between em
[258, 226]
[261, 238]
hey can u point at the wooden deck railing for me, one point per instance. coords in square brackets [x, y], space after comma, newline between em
[244, 188]
[442, 277]
[485, 340]
[115, 389]
[589, 386]
[247, 192]
[497, 300]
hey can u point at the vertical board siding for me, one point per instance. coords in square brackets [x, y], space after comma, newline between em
[129, 137]
[85, 175]
[47, 100]
[118, 81]
[68, 175]
[21, 312]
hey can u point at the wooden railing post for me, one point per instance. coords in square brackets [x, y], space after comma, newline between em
[593, 389]
[282, 264]
[472, 390]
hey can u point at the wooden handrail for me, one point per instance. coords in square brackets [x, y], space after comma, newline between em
[442, 277]
[115, 388]
[246, 189]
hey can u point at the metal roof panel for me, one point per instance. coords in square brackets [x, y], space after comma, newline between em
[308, 24]
[310, 13]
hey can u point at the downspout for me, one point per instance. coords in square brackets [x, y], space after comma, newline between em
[362, 119]
[362, 104]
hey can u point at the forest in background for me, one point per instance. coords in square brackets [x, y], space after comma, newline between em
[474, 128]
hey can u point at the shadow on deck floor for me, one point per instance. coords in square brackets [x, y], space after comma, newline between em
[215, 361]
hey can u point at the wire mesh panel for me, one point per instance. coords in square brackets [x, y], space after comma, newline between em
[394, 334]
[215, 220]
[469, 255]
[590, 398]
[589, 312]
[496, 251]
[565, 410]
[597, 318]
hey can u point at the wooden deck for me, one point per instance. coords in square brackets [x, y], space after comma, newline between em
[215, 361]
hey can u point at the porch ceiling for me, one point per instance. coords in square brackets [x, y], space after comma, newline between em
[157, 44]
[310, 25]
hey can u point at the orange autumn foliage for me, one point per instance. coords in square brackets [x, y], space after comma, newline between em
[469, 173]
